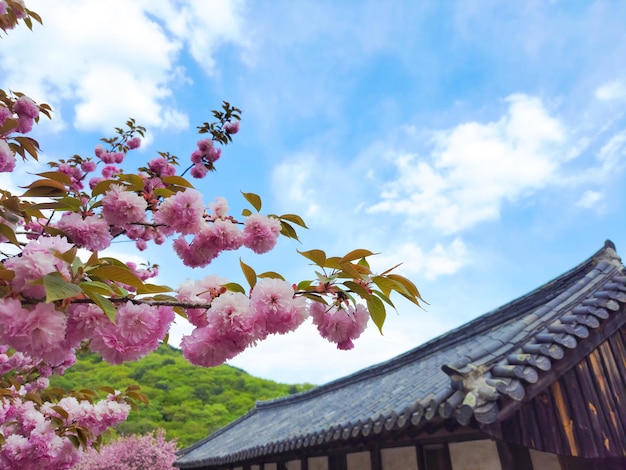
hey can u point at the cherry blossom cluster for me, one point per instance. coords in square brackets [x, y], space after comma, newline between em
[148, 451]
[11, 11]
[44, 435]
[340, 325]
[16, 116]
[49, 332]
[45, 432]
[235, 321]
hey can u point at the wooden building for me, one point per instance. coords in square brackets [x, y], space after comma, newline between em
[539, 383]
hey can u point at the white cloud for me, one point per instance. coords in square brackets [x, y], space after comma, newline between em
[111, 66]
[293, 182]
[589, 199]
[440, 260]
[611, 91]
[475, 168]
[310, 355]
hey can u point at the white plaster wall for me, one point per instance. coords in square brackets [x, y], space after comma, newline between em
[359, 461]
[544, 460]
[318, 463]
[294, 465]
[238, 468]
[475, 455]
[399, 458]
[255, 467]
[270, 466]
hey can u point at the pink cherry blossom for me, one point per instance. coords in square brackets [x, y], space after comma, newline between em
[121, 207]
[260, 233]
[26, 107]
[232, 127]
[222, 234]
[134, 143]
[273, 301]
[339, 326]
[196, 156]
[208, 348]
[194, 255]
[137, 332]
[231, 315]
[38, 259]
[109, 171]
[199, 171]
[82, 321]
[219, 207]
[183, 212]
[201, 292]
[161, 167]
[39, 332]
[91, 232]
[7, 157]
[88, 166]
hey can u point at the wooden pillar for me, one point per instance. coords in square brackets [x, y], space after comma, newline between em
[514, 457]
[377, 463]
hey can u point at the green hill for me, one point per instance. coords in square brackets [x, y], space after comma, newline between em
[189, 402]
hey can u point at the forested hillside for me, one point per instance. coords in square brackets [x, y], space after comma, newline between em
[187, 401]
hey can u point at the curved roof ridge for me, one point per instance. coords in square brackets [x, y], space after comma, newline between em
[483, 322]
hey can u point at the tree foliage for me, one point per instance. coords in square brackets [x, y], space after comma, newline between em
[188, 402]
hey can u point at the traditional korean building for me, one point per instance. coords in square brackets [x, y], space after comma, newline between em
[539, 383]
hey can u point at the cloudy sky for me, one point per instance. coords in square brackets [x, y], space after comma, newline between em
[481, 143]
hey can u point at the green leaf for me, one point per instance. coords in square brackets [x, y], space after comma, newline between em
[350, 270]
[176, 181]
[153, 289]
[63, 204]
[249, 273]
[271, 275]
[102, 187]
[105, 304]
[45, 188]
[288, 231]
[114, 262]
[356, 254]
[387, 285]
[61, 411]
[296, 219]
[96, 286]
[30, 145]
[69, 256]
[9, 234]
[302, 285]
[163, 192]
[357, 289]
[117, 274]
[246, 212]
[6, 274]
[253, 199]
[56, 176]
[333, 262]
[317, 256]
[134, 181]
[315, 297]
[377, 312]
[384, 298]
[58, 288]
[234, 287]
[408, 285]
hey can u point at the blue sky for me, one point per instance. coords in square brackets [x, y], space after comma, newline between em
[482, 143]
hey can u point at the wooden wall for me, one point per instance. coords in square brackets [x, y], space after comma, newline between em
[583, 413]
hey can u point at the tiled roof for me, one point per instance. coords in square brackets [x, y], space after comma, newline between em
[465, 374]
